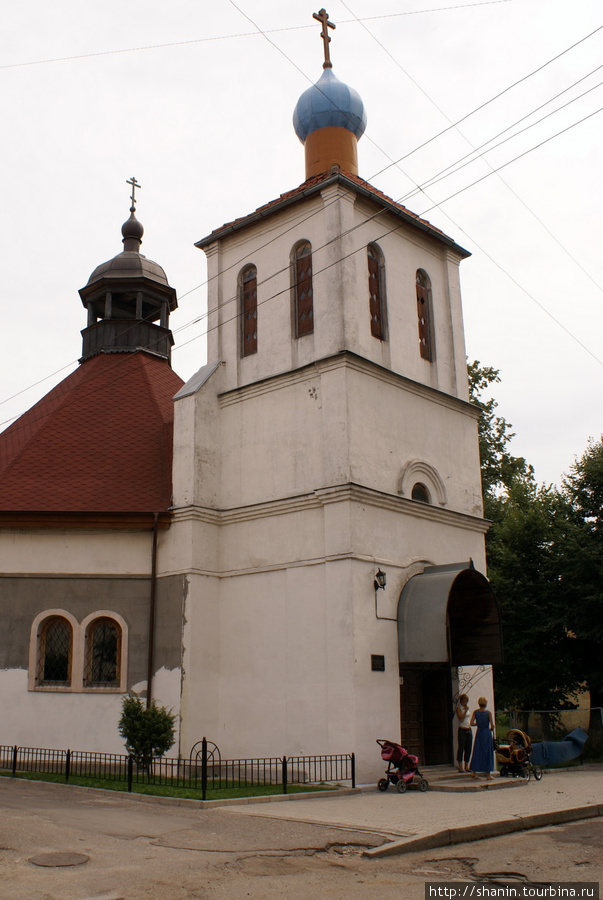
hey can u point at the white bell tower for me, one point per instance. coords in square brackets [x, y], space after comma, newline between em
[328, 437]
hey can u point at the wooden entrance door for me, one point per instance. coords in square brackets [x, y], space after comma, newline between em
[437, 718]
[411, 710]
[426, 713]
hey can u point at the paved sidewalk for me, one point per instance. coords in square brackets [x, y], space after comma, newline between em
[419, 821]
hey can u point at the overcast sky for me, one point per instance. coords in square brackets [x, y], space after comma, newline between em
[192, 99]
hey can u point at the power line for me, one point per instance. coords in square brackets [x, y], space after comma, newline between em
[493, 171]
[515, 158]
[430, 182]
[465, 160]
[227, 37]
[198, 319]
[491, 100]
[286, 290]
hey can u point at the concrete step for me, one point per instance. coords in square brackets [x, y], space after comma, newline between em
[448, 780]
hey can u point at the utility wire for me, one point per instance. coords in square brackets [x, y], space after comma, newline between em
[487, 102]
[421, 188]
[515, 158]
[286, 290]
[227, 37]
[493, 171]
[476, 153]
[209, 312]
[404, 198]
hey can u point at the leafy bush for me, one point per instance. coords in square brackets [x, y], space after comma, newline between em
[148, 733]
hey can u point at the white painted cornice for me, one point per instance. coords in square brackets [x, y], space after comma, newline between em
[347, 360]
[345, 493]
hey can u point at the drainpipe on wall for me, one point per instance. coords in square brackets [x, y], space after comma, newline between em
[152, 610]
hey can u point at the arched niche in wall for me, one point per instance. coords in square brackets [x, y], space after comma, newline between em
[419, 481]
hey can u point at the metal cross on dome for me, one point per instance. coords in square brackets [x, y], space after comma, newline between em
[135, 185]
[323, 16]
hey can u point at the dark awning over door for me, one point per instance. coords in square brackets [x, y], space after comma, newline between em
[449, 614]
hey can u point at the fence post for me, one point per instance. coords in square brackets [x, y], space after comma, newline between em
[15, 754]
[353, 770]
[67, 764]
[204, 769]
[284, 774]
[130, 772]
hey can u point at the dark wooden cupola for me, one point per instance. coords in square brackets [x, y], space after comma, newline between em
[129, 302]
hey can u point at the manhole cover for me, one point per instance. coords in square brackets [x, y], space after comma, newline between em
[54, 860]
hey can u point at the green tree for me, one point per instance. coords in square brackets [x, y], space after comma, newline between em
[500, 469]
[583, 564]
[148, 732]
[545, 563]
[525, 568]
[529, 523]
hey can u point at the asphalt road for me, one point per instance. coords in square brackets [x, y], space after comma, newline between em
[131, 851]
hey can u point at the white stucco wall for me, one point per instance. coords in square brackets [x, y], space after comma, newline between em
[75, 552]
[290, 491]
[64, 720]
[341, 294]
[58, 720]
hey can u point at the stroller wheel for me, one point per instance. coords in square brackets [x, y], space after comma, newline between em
[537, 773]
[504, 771]
[423, 785]
[383, 784]
[526, 772]
[401, 786]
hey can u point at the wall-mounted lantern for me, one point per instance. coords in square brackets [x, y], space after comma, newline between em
[380, 580]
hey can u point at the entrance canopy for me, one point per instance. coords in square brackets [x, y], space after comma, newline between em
[449, 614]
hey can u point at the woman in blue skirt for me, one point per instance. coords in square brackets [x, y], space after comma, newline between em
[483, 748]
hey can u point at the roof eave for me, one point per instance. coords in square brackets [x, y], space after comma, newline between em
[333, 178]
[264, 212]
[90, 520]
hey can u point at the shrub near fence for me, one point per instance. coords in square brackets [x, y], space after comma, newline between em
[204, 770]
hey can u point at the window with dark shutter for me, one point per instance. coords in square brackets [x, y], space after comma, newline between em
[249, 310]
[376, 292]
[424, 315]
[303, 294]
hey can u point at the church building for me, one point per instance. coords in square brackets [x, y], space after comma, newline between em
[287, 550]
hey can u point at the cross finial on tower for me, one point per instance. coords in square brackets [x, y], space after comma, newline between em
[135, 185]
[323, 17]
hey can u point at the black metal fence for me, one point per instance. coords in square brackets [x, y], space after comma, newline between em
[204, 769]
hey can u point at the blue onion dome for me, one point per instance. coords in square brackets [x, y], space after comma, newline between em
[329, 103]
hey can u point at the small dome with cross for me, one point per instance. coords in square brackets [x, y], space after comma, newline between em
[329, 103]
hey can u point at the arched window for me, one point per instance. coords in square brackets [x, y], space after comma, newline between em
[424, 315]
[420, 481]
[103, 654]
[376, 269]
[55, 648]
[303, 301]
[419, 492]
[248, 291]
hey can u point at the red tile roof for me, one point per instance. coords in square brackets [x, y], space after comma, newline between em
[312, 186]
[101, 441]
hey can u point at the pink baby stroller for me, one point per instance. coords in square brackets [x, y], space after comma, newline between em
[402, 767]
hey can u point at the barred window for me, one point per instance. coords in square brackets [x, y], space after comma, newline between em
[54, 652]
[248, 291]
[376, 269]
[103, 651]
[303, 291]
